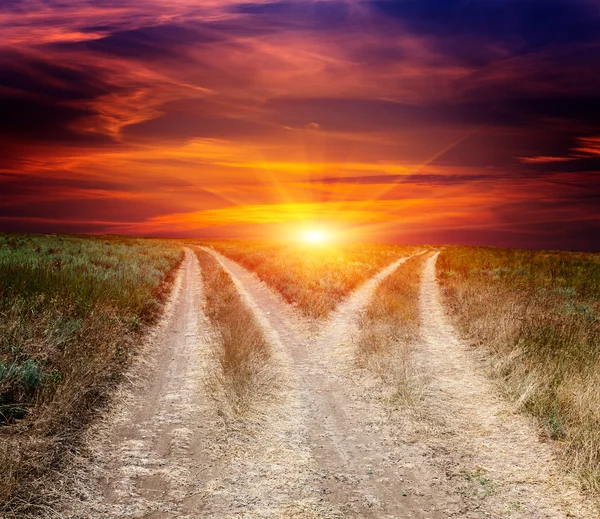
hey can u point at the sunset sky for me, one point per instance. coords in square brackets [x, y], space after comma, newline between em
[446, 121]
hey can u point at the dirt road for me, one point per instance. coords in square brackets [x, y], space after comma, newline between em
[358, 469]
[150, 452]
[491, 451]
[327, 448]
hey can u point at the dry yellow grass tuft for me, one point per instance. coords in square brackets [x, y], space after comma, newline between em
[315, 279]
[538, 313]
[246, 375]
[389, 328]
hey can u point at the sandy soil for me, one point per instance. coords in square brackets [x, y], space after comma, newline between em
[328, 446]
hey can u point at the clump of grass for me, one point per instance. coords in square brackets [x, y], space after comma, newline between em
[389, 328]
[246, 375]
[538, 314]
[19, 383]
[72, 312]
[315, 279]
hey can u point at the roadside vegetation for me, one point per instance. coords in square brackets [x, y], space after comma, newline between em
[313, 278]
[246, 376]
[389, 329]
[73, 311]
[538, 313]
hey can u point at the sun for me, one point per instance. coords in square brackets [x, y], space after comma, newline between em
[315, 236]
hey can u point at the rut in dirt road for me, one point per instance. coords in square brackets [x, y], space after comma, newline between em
[359, 468]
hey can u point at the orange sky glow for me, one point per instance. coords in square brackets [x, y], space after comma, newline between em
[408, 121]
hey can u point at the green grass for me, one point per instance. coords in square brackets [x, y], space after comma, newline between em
[538, 313]
[313, 278]
[72, 312]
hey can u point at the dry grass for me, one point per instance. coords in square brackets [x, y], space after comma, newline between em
[72, 313]
[538, 313]
[246, 376]
[313, 278]
[389, 328]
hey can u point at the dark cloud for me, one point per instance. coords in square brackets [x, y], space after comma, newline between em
[151, 42]
[45, 78]
[33, 198]
[522, 25]
[575, 188]
[301, 14]
[582, 110]
[183, 121]
[36, 121]
[45, 101]
[284, 8]
[573, 165]
[360, 114]
[473, 134]
[14, 6]
[494, 148]
[100, 28]
[449, 179]
[373, 115]
[425, 179]
[49, 225]
[91, 209]
[13, 185]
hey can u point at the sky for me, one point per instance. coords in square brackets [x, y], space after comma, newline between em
[413, 121]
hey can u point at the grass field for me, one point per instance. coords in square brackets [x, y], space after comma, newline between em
[75, 310]
[72, 312]
[538, 313]
[313, 278]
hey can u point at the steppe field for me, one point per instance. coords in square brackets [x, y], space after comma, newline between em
[162, 379]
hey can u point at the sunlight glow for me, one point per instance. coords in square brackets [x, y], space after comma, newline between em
[315, 236]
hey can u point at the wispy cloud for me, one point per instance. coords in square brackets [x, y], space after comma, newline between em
[148, 116]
